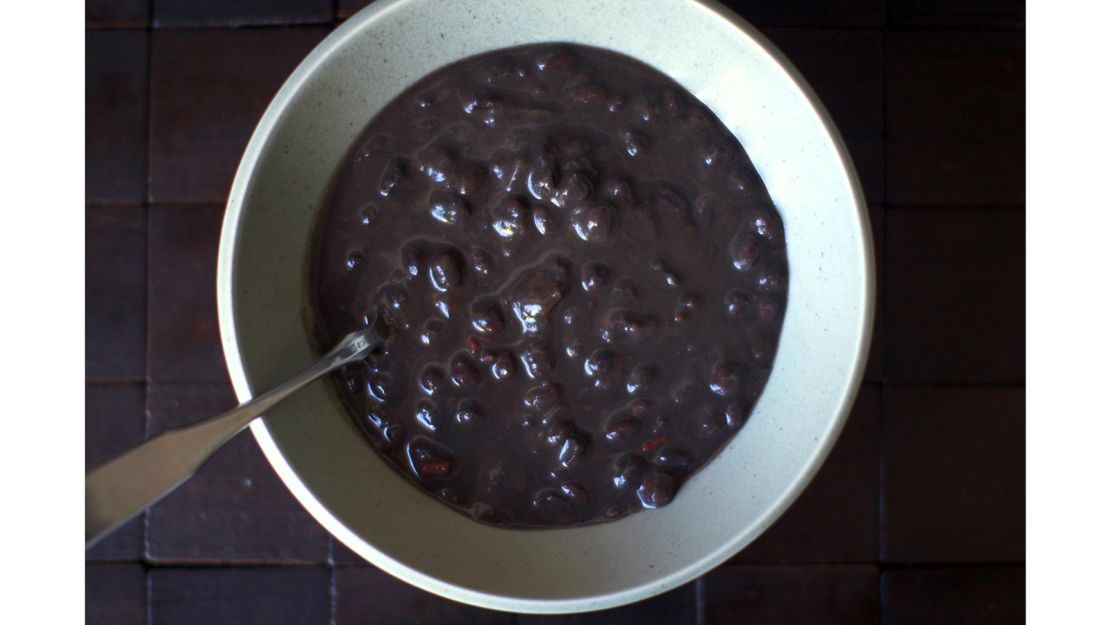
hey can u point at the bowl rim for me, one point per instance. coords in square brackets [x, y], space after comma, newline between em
[225, 299]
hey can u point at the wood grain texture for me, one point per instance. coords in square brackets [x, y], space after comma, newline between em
[178, 13]
[957, 13]
[955, 118]
[953, 466]
[115, 116]
[792, 595]
[209, 89]
[216, 596]
[183, 338]
[115, 419]
[836, 519]
[954, 296]
[117, 13]
[115, 594]
[366, 596]
[115, 293]
[929, 97]
[954, 596]
[235, 509]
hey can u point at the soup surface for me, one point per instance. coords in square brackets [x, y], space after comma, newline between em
[580, 274]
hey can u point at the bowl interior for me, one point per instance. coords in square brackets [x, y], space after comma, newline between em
[331, 469]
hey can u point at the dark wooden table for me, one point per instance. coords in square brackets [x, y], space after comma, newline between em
[918, 516]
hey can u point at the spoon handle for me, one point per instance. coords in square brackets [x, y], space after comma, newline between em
[121, 488]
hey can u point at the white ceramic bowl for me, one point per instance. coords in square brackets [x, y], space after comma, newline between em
[334, 473]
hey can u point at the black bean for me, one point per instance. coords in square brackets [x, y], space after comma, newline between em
[641, 378]
[666, 276]
[744, 251]
[504, 366]
[469, 411]
[393, 434]
[432, 332]
[561, 62]
[710, 422]
[534, 296]
[622, 427]
[736, 304]
[627, 470]
[486, 317]
[412, 259]
[432, 379]
[538, 361]
[528, 420]
[594, 276]
[718, 154]
[381, 387]
[575, 492]
[543, 177]
[481, 262]
[674, 460]
[672, 205]
[355, 377]
[425, 414]
[724, 379]
[440, 165]
[559, 432]
[542, 220]
[635, 142]
[591, 93]
[601, 366]
[391, 302]
[445, 272]
[736, 414]
[594, 223]
[509, 218]
[572, 452]
[627, 324]
[427, 459]
[573, 315]
[768, 280]
[687, 304]
[445, 304]
[472, 181]
[671, 103]
[485, 108]
[656, 490]
[575, 189]
[574, 350]
[705, 209]
[617, 188]
[464, 372]
[448, 208]
[392, 177]
[541, 397]
[768, 310]
[766, 225]
[369, 214]
[355, 260]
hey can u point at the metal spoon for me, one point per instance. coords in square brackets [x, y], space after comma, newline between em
[120, 489]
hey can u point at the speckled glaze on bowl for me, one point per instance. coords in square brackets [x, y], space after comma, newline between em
[357, 496]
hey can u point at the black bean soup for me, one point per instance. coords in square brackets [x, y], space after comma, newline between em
[581, 276]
